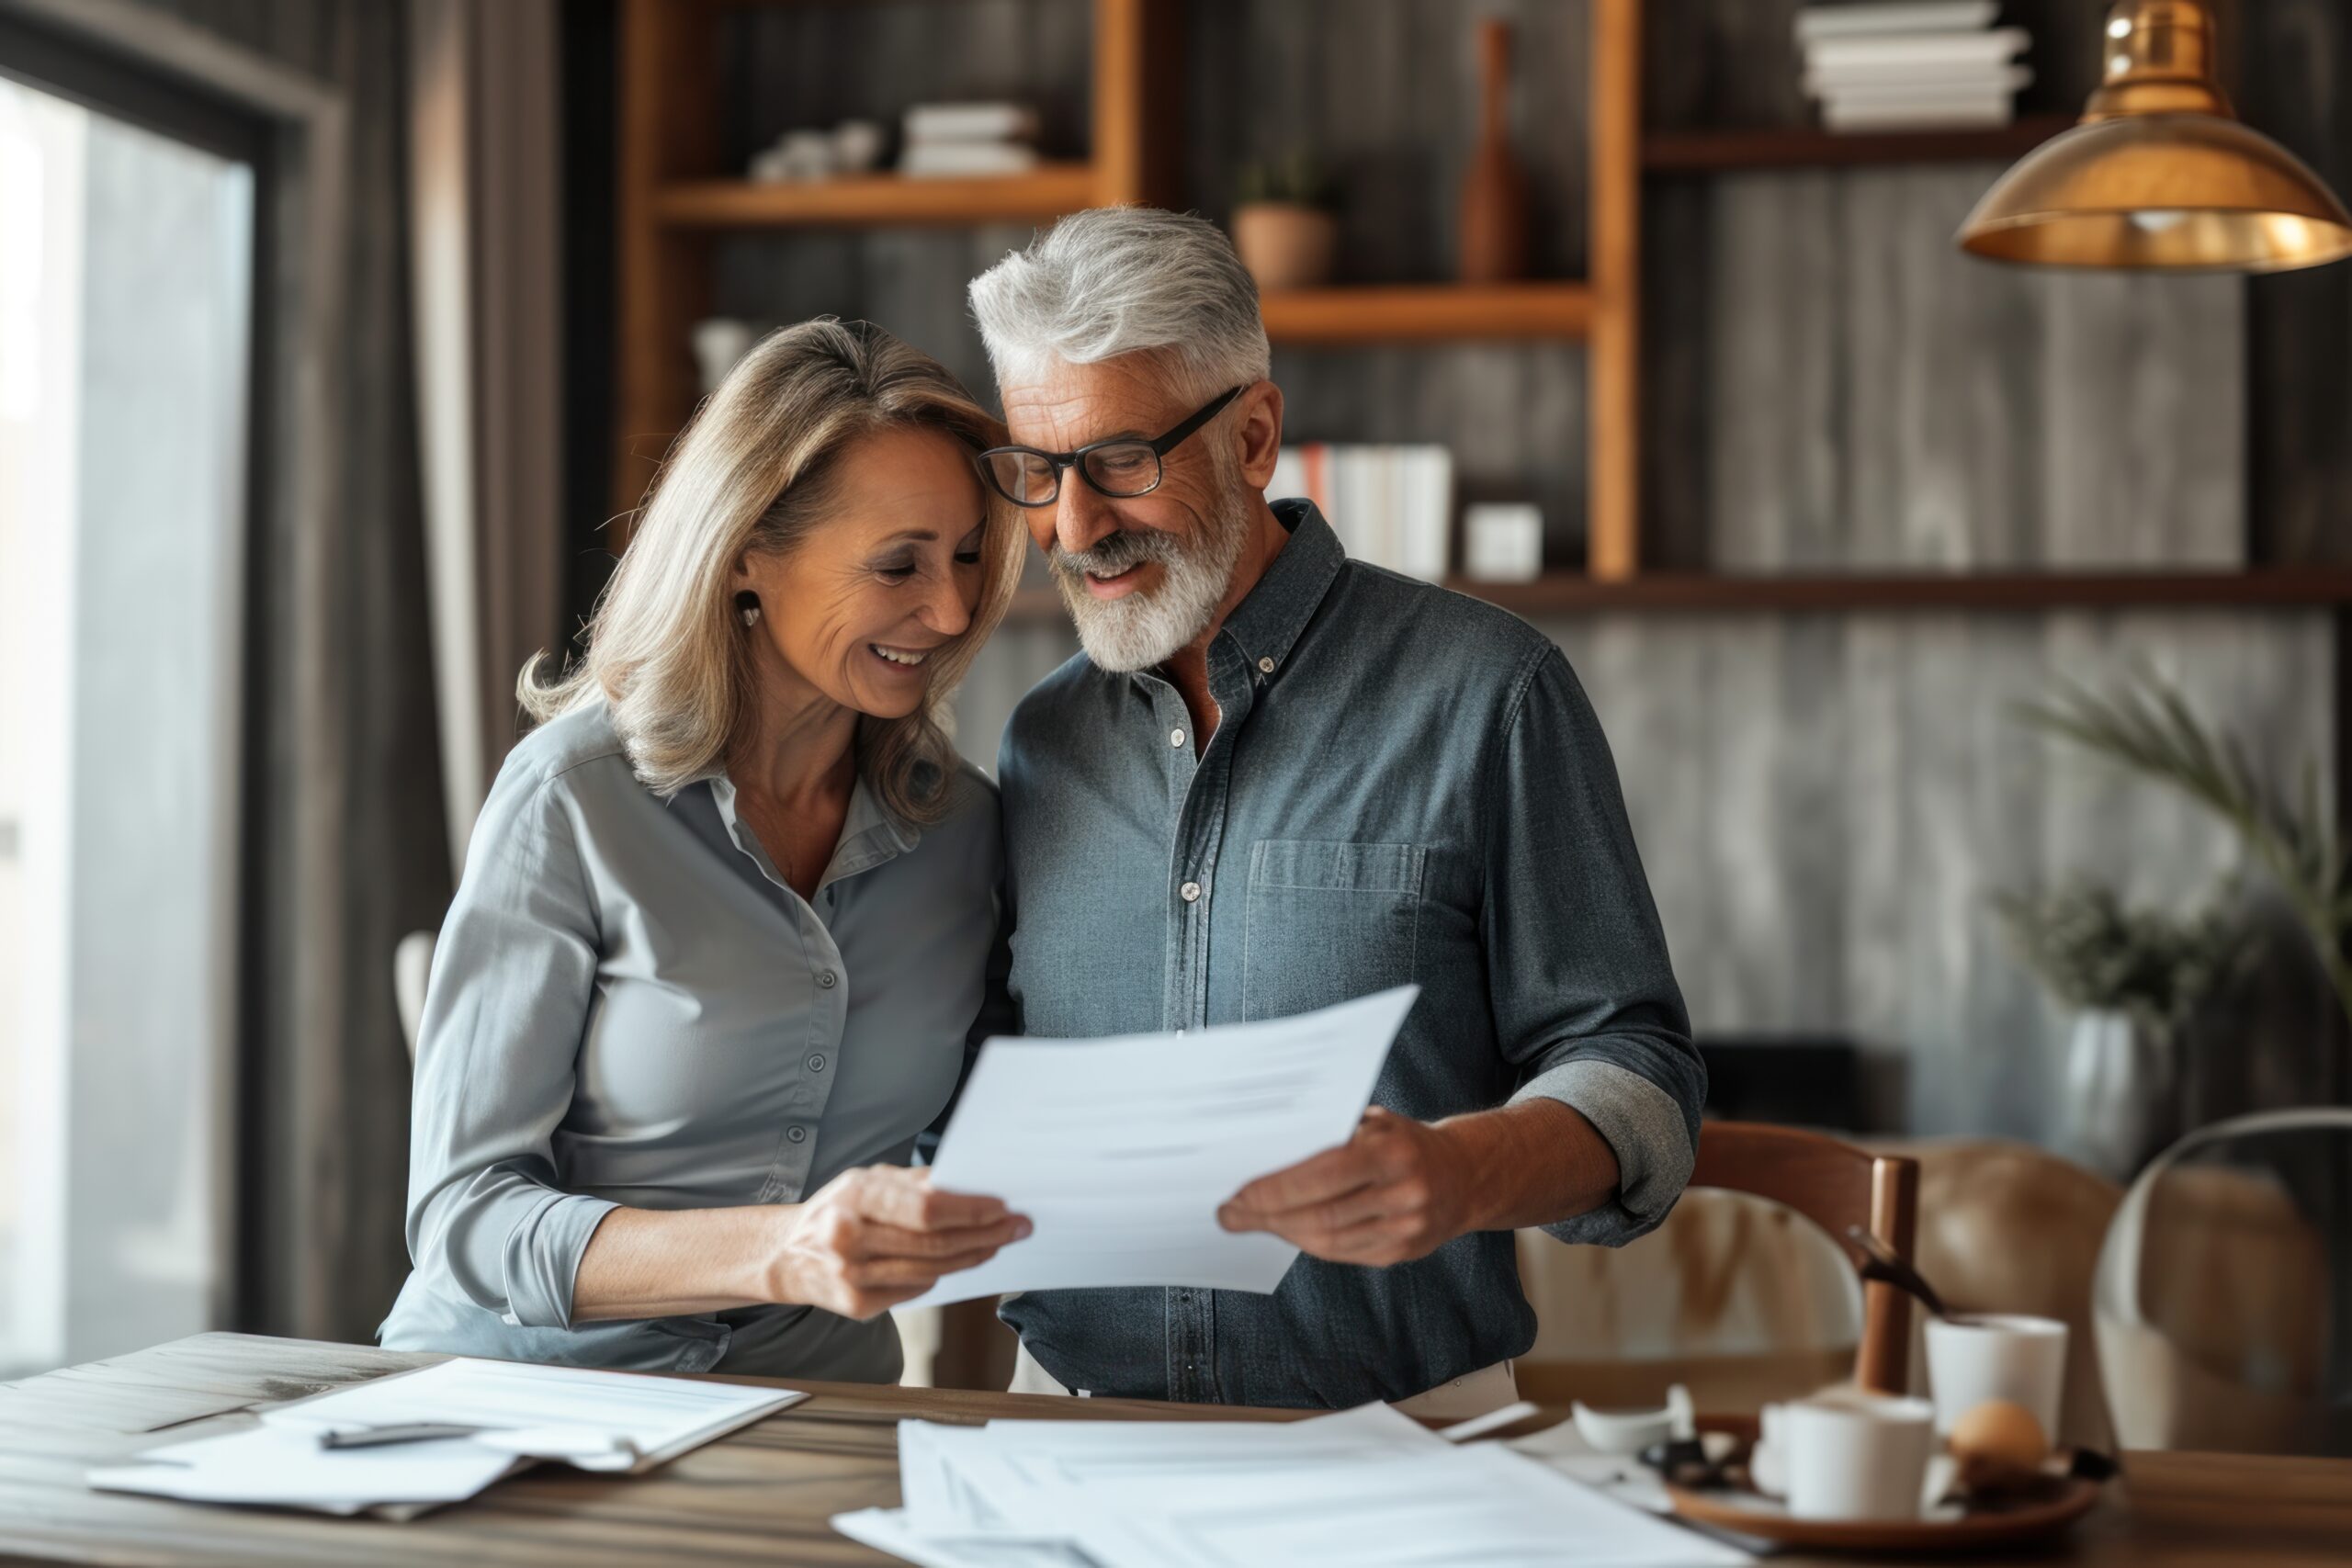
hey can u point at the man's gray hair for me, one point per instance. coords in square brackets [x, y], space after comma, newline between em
[1116, 280]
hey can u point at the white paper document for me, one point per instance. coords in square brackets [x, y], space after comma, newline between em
[591, 1419]
[1119, 1151]
[1367, 1487]
[287, 1469]
[642, 1420]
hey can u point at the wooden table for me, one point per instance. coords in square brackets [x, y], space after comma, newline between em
[764, 1495]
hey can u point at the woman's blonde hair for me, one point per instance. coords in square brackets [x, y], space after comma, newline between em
[754, 473]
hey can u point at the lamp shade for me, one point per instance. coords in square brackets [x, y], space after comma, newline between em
[2160, 173]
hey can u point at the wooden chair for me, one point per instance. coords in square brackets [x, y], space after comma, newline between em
[1833, 1185]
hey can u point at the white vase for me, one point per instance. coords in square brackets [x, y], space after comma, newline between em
[2120, 1103]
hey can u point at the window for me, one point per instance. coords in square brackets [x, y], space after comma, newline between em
[127, 280]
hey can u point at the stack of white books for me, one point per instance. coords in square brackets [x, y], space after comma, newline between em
[955, 140]
[1912, 64]
[1391, 506]
[1366, 1488]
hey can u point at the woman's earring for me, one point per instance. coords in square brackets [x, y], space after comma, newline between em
[747, 605]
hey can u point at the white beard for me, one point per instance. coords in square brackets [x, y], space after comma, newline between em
[1146, 627]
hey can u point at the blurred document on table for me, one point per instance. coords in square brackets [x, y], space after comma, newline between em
[1366, 1488]
[643, 1419]
[500, 1416]
[1120, 1150]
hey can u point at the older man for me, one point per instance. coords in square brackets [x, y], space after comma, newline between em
[1277, 779]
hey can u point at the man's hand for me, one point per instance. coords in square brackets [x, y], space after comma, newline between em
[1401, 1189]
[1395, 1192]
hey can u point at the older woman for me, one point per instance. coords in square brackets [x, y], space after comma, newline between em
[725, 916]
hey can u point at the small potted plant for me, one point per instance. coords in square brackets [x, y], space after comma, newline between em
[1284, 224]
[2135, 975]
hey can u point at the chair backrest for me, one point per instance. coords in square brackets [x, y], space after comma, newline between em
[412, 966]
[2223, 1299]
[1833, 1185]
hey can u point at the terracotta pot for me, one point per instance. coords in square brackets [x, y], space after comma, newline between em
[1286, 245]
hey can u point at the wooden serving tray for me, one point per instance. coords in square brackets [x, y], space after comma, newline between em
[2044, 1511]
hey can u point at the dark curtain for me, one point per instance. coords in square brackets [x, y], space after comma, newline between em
[346, 850]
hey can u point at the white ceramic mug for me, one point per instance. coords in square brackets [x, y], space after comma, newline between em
[1980, 1356]
[1855, 1456]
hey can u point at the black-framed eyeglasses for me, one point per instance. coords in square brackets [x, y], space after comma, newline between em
[1122, 468]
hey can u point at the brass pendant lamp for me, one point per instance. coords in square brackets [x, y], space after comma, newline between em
[2160, 173]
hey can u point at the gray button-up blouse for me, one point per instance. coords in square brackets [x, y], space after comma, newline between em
[629, 1007]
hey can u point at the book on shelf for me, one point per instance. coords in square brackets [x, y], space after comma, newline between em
[966, 160]
[1391, 505]
[1901, 16]
[951, 141]
[1821, 81]
[971, 122]
[1996, 46]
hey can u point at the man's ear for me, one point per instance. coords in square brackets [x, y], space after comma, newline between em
[1259, 423]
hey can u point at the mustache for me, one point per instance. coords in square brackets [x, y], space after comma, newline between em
[1112, 554]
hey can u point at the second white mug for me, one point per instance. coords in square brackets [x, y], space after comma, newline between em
[1983, 1356]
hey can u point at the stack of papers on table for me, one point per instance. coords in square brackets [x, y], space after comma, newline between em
[1366, 1488]
[1911, 64]
[516, 1413]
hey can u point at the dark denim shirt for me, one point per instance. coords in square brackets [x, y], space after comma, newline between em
[1406, 785]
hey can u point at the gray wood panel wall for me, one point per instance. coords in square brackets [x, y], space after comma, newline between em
[1823, 802]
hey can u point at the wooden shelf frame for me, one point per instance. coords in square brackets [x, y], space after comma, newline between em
[673, 199]
[672, 202]
[1041, 195]
[1713, 151]
[1429, 313]
[2006, 591]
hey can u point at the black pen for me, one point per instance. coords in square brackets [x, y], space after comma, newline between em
[378, 1436]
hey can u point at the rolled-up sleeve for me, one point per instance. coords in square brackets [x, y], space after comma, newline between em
[513, 976]
[1584, 998]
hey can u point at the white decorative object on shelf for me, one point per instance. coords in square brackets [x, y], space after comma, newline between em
[720, 344]
[1502, 542]
[858, 145]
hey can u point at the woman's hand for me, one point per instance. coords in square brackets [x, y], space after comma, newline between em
[880, 1235]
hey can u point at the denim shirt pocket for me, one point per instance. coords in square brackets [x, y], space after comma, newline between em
[1327, 921]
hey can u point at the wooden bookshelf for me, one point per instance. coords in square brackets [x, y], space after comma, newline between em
[1710, 151]
[1040, 195]
[2003, 592]
[1425, 312]
[674, 200]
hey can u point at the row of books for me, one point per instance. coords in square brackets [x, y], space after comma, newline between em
[1912, 65]
[1391, 506]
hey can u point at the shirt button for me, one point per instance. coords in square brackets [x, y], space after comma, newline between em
[816, 1062]
[1175, 737]
[1265, 667]
[1190, 891]
[797, 1134]
[829, 979]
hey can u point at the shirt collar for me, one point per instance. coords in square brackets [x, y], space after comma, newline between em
[870, 832]
[1268, 620]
